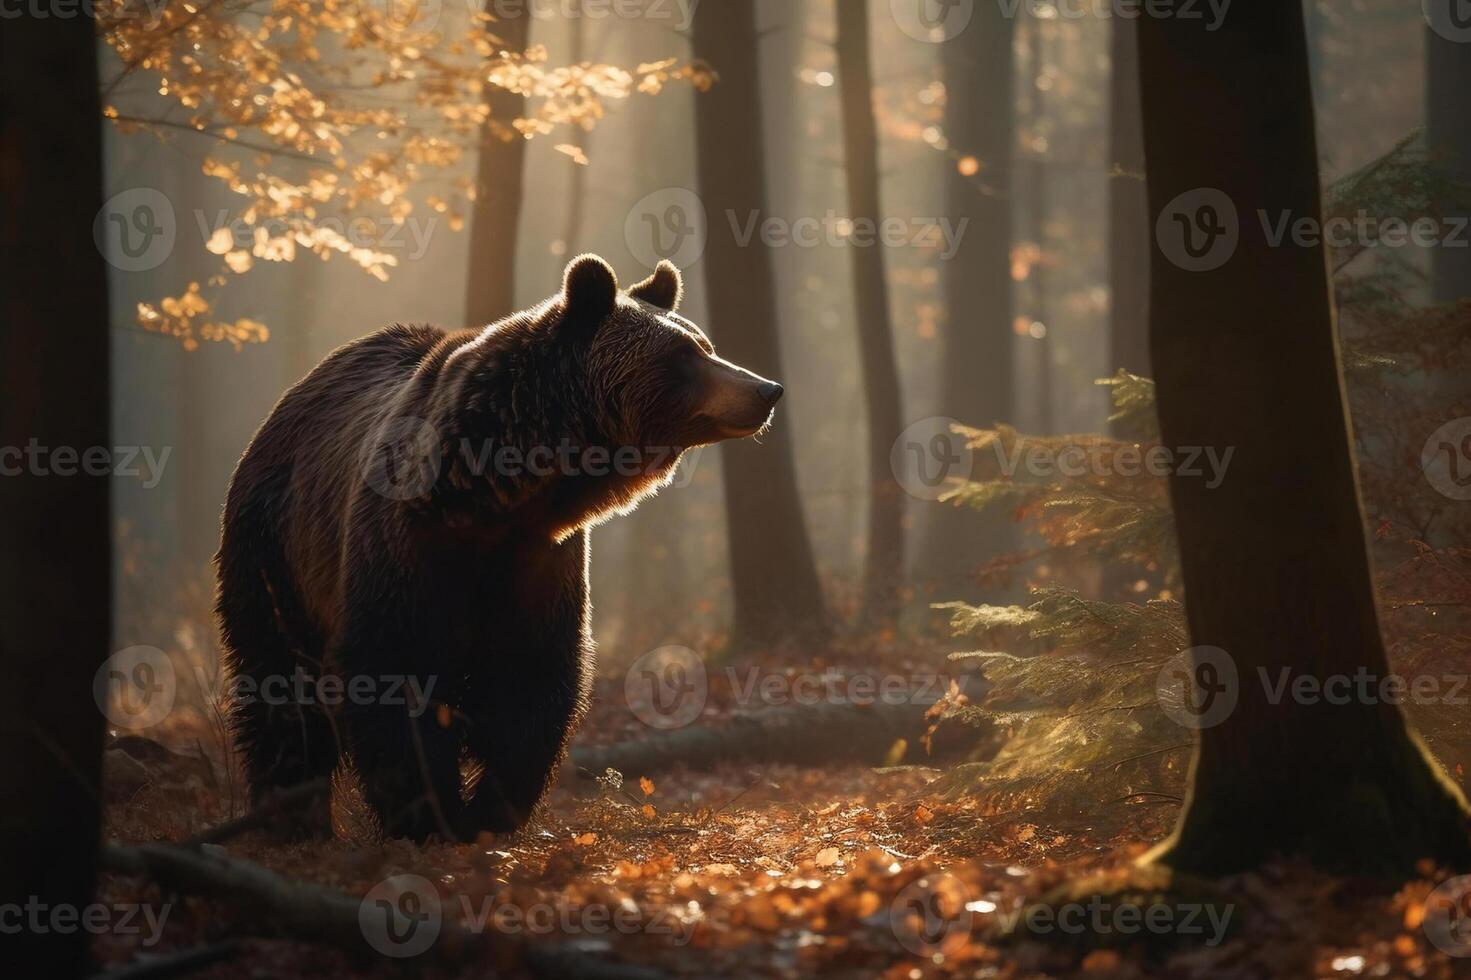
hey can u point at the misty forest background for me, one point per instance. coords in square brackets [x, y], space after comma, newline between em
[1026, 299]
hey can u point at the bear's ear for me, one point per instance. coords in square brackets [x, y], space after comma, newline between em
[589, 288]
[663, 289]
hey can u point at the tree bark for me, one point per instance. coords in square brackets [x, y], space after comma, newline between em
[56, 565]
[884, 568]
[773, 573]
[976, 370]
[1448, 140]
[1274, 560]
[490, 291]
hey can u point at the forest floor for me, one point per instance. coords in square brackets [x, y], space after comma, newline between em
[760, 871]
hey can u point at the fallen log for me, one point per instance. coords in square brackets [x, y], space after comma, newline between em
[807, 735]
[308, 912]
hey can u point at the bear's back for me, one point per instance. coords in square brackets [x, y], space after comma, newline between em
[296, 480]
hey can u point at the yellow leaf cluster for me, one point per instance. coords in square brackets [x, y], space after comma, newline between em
[329, 118]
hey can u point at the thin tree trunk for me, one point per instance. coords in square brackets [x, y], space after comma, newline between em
[299, 356]
[577, 189]
[773, 574]
[56, 565]
[976, 371]
[1037, 212]
[885, 565]
[1128, 212]
[1448, 139]
[1274, 560]
[490, 291]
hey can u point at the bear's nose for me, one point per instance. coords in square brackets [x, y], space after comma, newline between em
[771, 391]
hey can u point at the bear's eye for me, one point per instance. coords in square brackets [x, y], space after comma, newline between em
[687, 355]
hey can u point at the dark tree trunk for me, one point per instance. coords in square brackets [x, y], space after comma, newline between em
[1275, 565]
[491, 284]
[1448, 139]
[1128, 242]
[1128, 228]
[56, 564]
[885, 565]
[976, 373]
[773, 574]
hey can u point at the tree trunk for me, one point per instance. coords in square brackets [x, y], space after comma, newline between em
[1128, 229]
[1037, 215]
[1275, 565]
[56, 565]
[577, 186]
[1128, 244]
[1448, 140]
[773, 574]
[490, 291]
[884, 568]
[976, 371]
[300, 355]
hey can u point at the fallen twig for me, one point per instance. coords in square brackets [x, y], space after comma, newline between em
[261, 815]
[175, 963]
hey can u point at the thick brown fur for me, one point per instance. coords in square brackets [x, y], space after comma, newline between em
[389, 526]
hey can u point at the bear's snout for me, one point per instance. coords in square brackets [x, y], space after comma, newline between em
[734, 402]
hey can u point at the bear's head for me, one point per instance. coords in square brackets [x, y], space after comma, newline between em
[654, 374]
[576, 409]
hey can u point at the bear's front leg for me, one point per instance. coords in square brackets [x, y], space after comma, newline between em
[406, 760]
[409, 766]
[517, 769]
[518, 733]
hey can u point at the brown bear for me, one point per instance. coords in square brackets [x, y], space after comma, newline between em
[402, 575]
